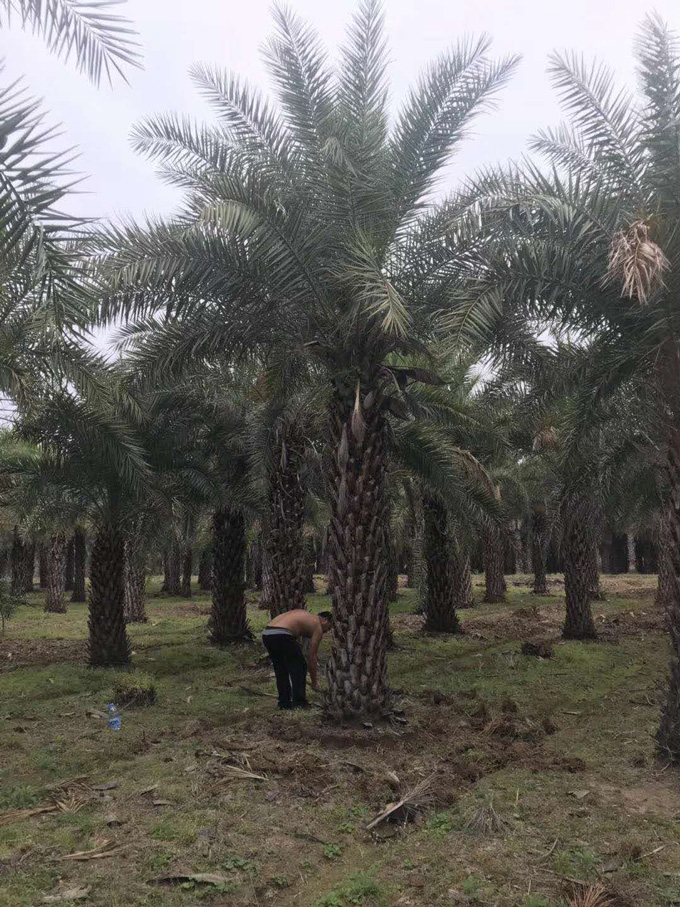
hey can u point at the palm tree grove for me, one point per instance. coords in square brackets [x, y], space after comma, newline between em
[340, 496]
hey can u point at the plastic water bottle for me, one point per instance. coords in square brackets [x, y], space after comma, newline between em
[114, 717]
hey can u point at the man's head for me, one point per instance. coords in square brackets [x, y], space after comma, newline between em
[326, 618]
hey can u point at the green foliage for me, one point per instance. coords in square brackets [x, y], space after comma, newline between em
[135, 689]
[361, 888]
[332, 851]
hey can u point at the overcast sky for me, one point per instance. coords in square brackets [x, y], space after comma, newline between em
[176, 33]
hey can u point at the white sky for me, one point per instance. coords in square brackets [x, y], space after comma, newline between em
[175, 33]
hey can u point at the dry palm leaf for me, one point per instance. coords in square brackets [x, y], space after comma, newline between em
[637, 261]
[406, 808]
[16, 815]
[482, 819]
[591, 896]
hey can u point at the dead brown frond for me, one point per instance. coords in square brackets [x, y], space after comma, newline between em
[591, 896]
[545, 439]
[483, 820]
[406, 809]
[637, 262]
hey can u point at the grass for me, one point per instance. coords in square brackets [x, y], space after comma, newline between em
[585, 800]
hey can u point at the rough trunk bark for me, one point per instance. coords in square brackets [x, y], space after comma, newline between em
[267, 579]
[228, 619]
[462, 579]
[577, 542]
[42, 565]
[439, 605]
[286, 517]
[539, 549]
[594, 587]
[108, 643]
[205, 570]
[664, 589]
[69, 566]
[135, 584]
[56, 561]
[630, 550]
[187, 568]
[79, 559]
[357, 568]
[494, 560]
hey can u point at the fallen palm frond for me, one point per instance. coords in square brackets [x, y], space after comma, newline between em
[591, 896]
[408, 807]
[100, 852]
[234, 773]
[16, 815]
[482, 819]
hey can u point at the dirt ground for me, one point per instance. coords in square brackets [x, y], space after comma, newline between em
[515, 780]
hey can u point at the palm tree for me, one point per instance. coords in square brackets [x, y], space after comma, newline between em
[91, 459]
[308, 227]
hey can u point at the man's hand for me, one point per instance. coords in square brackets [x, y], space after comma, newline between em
[314, 684]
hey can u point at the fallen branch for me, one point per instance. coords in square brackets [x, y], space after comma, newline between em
[253, 692]
[18, 814]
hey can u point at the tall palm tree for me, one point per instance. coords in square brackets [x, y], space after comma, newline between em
[308, 226]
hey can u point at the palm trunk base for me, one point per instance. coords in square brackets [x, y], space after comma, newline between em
[228, 618]
[108, 643]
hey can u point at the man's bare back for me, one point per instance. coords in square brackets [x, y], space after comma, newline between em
[299, 622]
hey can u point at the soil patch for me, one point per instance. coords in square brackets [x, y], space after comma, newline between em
[20, 653]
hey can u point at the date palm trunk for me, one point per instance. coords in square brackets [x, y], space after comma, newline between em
[187, 569]
[665, 565]
[630, 551]
[205, 570]
[577, 544]
[56, 561]
[108, 640]
[135, 584]
[539, 549]
[42, 565]
[494, 563]
[440, 604]
[69, 566]
[462, 578]
[79, 562]
[228, 619]
[356, 465]
[286, 518]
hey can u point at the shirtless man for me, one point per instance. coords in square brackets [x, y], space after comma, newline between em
[280, 639]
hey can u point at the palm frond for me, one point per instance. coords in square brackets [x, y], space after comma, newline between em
[100, 40]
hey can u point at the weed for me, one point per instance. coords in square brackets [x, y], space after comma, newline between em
[239, 864]
[360, 889]
[280, 881]
[332, 851]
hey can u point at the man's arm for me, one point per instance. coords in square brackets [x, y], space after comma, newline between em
[317, 636]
